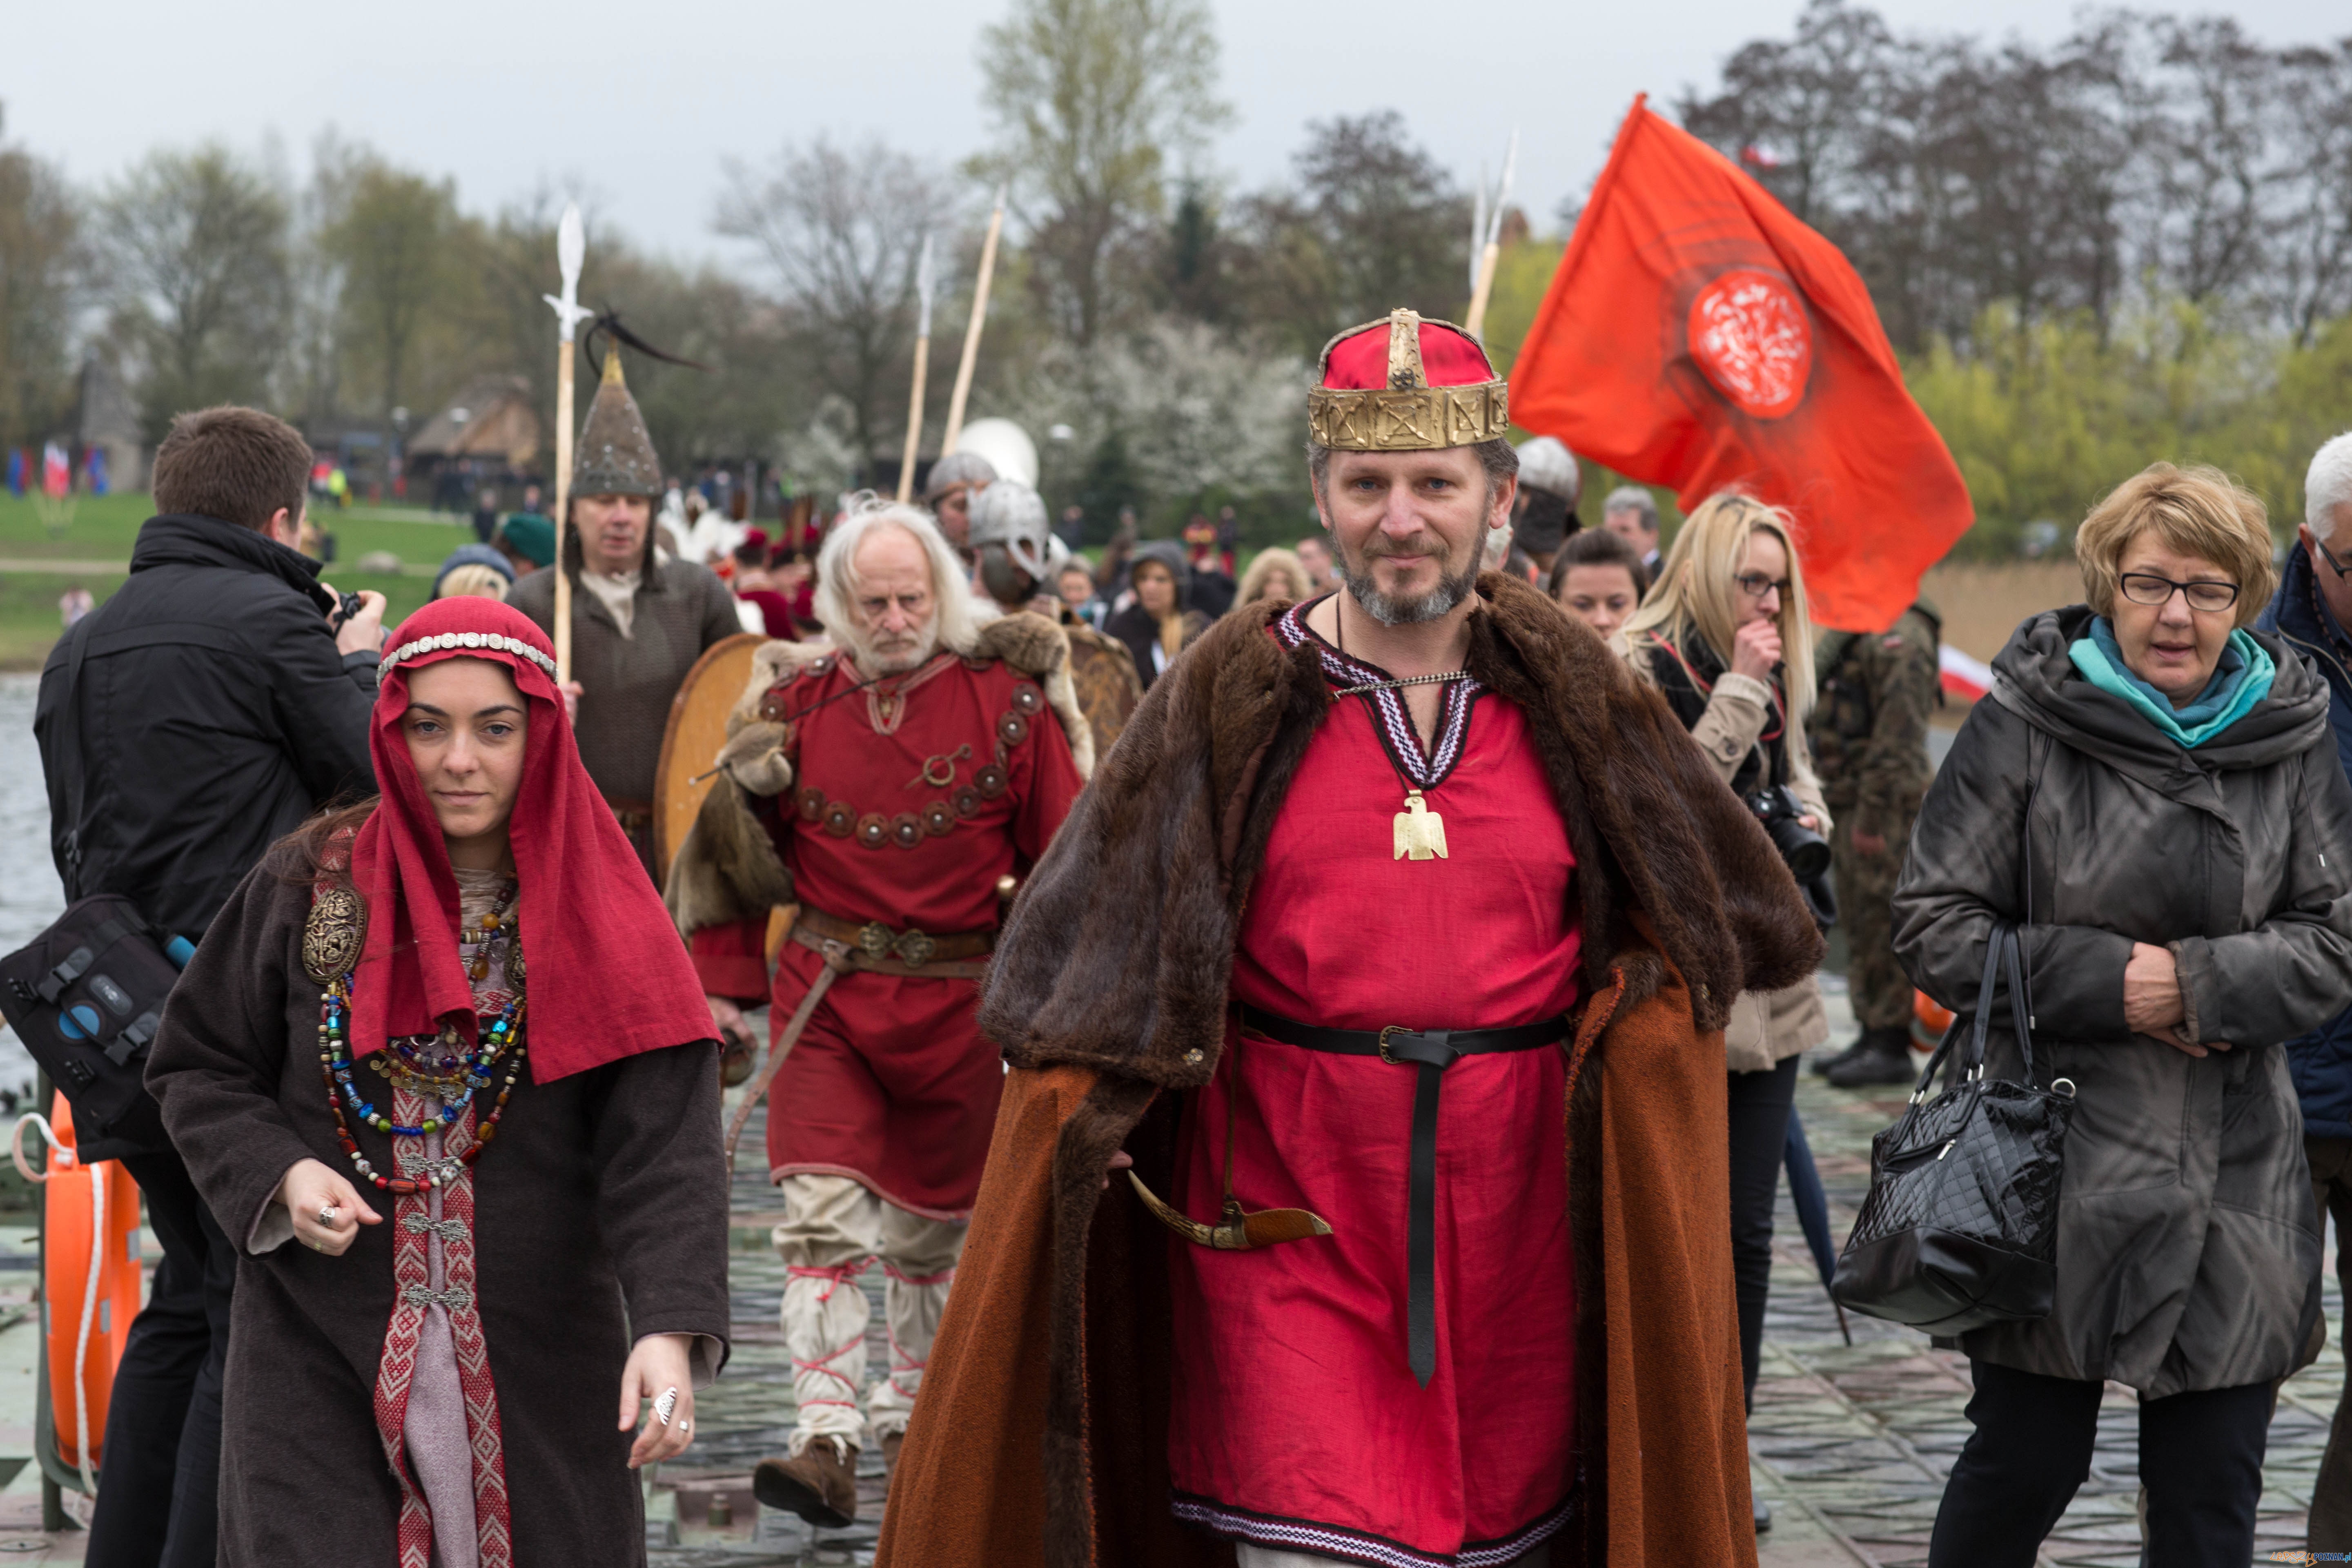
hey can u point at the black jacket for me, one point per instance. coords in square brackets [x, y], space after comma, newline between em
[215, 715]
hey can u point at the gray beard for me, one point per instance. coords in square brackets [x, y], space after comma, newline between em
[1392, 611]
[861, 651]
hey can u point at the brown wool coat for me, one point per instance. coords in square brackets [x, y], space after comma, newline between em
[1042, 1432]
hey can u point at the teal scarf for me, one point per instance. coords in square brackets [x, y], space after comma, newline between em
[2240, 679]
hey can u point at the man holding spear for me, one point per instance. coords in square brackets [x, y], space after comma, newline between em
[623, 653]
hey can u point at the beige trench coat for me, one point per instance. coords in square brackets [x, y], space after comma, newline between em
[1767, 1027]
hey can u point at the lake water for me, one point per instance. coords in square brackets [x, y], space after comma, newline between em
[30, 894]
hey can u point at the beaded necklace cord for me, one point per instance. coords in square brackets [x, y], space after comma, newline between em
[501, 1036]
[492, 934]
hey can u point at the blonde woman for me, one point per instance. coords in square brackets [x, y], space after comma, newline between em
[2184, 907]
[1725, 638]
[1273, 574]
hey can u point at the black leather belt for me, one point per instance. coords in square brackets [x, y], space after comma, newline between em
[1429, 1052]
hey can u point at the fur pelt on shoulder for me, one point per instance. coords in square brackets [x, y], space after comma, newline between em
[1117, 953]
[728, 870]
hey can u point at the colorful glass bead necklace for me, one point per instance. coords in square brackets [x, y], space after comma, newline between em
[488, 935]
[501, 1036]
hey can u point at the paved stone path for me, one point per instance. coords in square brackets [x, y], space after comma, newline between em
[1850, 1443]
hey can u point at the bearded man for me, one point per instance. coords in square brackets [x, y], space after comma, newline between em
[1378, 894]
[640, 617]
[895, 781]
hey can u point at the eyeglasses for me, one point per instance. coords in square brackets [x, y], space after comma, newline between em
[2329, 556]
[2205, 594]
[1755, 584]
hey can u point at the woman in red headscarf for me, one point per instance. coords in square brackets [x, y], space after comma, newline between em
[447, 1044]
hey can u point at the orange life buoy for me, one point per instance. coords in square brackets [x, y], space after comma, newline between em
[90, 1281]
[1930, 1019]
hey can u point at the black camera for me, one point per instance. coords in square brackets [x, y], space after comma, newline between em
[346, 606]
[1806, 851]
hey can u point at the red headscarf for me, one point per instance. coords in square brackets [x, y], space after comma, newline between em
[608, 977]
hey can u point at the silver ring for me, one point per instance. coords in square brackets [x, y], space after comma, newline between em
[327, 1213]
[684, 1427]
[665, 1404]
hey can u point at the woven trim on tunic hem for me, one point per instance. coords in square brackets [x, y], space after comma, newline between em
[776, 1174]
[1354, 1545]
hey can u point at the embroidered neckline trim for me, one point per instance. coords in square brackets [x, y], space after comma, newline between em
[1420, 770]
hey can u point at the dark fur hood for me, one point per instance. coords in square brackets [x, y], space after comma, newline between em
[1118, 951]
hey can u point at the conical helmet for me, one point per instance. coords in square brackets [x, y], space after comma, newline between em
[616, 452]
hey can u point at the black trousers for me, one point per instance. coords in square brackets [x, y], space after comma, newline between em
[2200, 1463]
[159, 1487]
[1759, 1141]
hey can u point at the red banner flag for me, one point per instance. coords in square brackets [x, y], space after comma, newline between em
[1697, 335]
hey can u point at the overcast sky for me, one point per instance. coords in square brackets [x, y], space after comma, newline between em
[639, 102]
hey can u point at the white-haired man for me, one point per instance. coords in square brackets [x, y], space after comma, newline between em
[893, 782]
[2313, 610]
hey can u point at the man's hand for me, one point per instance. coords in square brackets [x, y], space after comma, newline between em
[328, 1211]
[725, 1019]
[1756, 649]
[658, 1366]
[363, 633]
[1120, 1159]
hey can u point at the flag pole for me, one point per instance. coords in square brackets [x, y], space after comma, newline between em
[972, 328]
[571, 250]
[1491, 253]
[925, 280]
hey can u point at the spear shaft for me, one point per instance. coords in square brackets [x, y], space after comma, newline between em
[571, 250]
[923, 287]
[971, 328]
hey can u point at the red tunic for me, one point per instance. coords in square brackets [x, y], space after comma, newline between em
[1298, 1422]
[891, 1083]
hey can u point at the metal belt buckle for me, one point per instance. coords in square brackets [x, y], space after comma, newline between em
[1385, 1033]
[874, 940]
[915, 949]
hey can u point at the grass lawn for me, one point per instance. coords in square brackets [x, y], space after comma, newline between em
[103, 528]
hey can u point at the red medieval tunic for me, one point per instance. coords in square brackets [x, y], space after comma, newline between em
[1298, 1422]
[891, 1083]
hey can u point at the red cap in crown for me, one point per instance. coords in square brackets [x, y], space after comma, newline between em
[1414, 387]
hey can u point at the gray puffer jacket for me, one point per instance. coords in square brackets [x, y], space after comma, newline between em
[2188, 1244]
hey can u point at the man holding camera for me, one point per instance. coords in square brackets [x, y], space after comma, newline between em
[1869, 733]
[218, 698]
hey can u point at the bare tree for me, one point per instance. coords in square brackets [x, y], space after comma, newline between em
[2314, 242]
[390, 241]
[38, 288]
[841, 229]
[196, 250]
[1093, 100]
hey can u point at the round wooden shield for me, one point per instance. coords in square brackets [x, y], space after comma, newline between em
[691, 738]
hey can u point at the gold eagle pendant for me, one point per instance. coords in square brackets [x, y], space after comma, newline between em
[1420, 832]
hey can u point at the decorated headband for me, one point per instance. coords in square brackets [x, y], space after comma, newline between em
[1408, 414]
[448, 641]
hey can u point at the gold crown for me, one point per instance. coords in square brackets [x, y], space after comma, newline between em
[1408, 415]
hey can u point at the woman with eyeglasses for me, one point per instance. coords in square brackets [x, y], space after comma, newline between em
[1725, 638]
[2151, 796]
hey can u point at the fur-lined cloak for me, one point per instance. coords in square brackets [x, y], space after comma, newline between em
[1041, 1436]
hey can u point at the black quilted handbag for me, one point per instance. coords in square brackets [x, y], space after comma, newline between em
[1960, 1227]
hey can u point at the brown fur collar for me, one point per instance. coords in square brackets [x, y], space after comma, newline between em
[1118, 951]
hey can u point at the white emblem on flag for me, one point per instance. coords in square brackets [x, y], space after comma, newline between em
[1749, 335]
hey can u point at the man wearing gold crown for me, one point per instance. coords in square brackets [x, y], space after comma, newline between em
[1353, 1185]
[639, 617]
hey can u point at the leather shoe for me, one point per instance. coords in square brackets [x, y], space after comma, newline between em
[1763, 1515]
[1823, 1064]
[1882, 1056]
[821, 1485]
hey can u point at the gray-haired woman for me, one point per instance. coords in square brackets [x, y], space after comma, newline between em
[2152, 796]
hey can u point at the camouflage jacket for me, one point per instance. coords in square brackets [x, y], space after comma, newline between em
[1869, 728]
